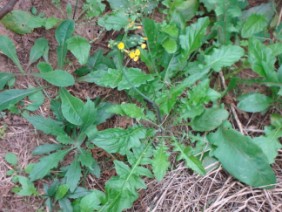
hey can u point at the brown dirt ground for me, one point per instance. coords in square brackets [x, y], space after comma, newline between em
[179, 191]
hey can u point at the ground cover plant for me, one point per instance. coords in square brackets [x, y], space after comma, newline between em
[181, 80]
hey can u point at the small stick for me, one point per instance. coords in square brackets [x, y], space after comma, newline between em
[7, 8]
[279, 18]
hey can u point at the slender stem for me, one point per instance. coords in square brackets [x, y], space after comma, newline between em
[75, 9]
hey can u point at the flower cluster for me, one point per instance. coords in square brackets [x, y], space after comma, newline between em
[133, 54]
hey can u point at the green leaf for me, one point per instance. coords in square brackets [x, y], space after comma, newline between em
[160, 161]
[27, 187]
[22, 22]
[194, 36]
[269, 147]
[254, 102]
[62, 34]
[58, 78]
[151, 30]
[73, 175]
[8, 48]
[191, 161]
[5, 77]
[46, 148]
[80, 48]
[86, 159]
[262, 59]
[71, 107]
[88, 115]
[251, 165]
[43, 167]
[126, 109]
[39, 49]
[92, 202]
[118, 4]
[254, 24]
[13, 96]
[37, 99]
[65, 205]
[170, 45]
[44, 67]
[118, 140]
[267, 10]
[224, 56]
[61, 191]
[11, 158]
[51, 22]
[93, 8]
[209, 120]
[114, 21]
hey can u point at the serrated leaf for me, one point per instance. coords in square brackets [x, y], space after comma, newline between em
[209, 120]
[126, 109]
[191, 161]
[58, 78]
[22, 22]
[43, 167]
[269, 147]
[92, 201]
[11, 158]
[46, 148]
[160, 162]
[114, 21]
[224, 56]
[37, 99]
[254, 169]
[73, 175]
[13, 96]
[62, 34]
[254, 24]
[118, 140]
[194, 36]
[80, 48]
[71, 107]
[8, 48]
[254, 102]
[39, 49]
[5, 77]
[27, 187]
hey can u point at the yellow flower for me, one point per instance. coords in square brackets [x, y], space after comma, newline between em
[136, 59]
[143, 46]
[121, 45]
[145, 38]
[132, 54]
[137, 52]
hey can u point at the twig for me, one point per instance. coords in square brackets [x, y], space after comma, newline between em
[279, 17]
[7, 8]
[232, 107]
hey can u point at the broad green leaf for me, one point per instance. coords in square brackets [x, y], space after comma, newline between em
[191, 161]
[27, 187]
[209, 120]
[62, 34]
[80, 48]
[267, 10]
[170, 45]
[251, 165]
[114, 21]
[8, 48]
[22, 22]
[151, 30]
[58, 78]
[88, 114]
[223, 57]
[46, 148]
[93, 8]
[126, 109]
[44, 67]
[51, 22]
[262, 59]
[39, 49]
[92, 202]
[254, 102]
[61, 191]
[276, 48]
[171, 29]
[119, 4]
[5, 77]
[71, 107]
[73, 175]
[160, 163]
[254, 24]
[269, 147]
[194, 36]
[65, 205]
[117, 140]
[133, 77]
[11, 158]
[13, 96]
[46, 125]
[43, 167]
[36, 99]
